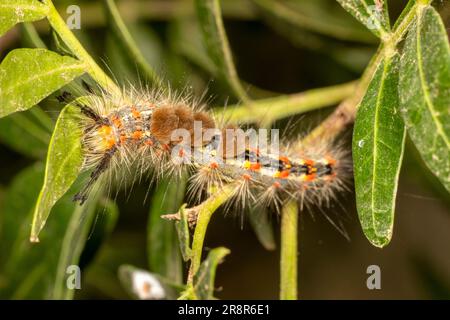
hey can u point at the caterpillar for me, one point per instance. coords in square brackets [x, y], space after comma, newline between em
[157, 131]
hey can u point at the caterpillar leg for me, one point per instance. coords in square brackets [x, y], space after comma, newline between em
[82, 195]
[88, 87]
[66, 97]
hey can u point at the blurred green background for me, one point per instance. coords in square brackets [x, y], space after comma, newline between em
[273, 55]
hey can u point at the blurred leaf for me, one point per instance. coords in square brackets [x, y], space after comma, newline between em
[64, 161]
[183, 234]
[371, 13]
[102, 227]
[22, 133]
[425, 91]
[259, 220]
[193, 49]
[129, 44]
[21, 194]
[287, 20]
[38, 271]
[216, 42]
[163, 249]
[206, 274]
[316, 16]
[76, 235]
[30, 37]
[15, 11]
[378, 145]
[435, 283]
[29, 75]
[143, 285]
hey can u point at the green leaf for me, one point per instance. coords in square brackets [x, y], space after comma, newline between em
[425, 91]
[38, 271]
[316, 16]
[30, 37]
[103, 226]
[183, 234]
[22, 133]
[206, 274]
[29, 75]
[128, 43]
[76, 234]
[64, 161]
[216, 42]
[262, 226]
[15, 11]
[163, 253]
[378, 145]
[371, 13]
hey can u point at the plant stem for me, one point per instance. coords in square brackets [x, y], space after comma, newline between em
[345, 113]
[288, 261]
[59, 25]
[129, 44]
[204, 216]
[272, 109]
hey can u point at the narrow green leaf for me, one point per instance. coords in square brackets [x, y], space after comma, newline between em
[371, 13]
[19, 197]
[29, 75]
[316, 16]
[59, 247]
[262, 226]
[129, 44]
[206, 274]
[15, 11]
[378, 145]
[22, 133]
[215, 38]
[76, 234]
[104, 224]
[30, 38]
[163, 253]
[425, 91]
[183, 234]
[64, 161]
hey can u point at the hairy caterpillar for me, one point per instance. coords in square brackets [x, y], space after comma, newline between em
[154, 131]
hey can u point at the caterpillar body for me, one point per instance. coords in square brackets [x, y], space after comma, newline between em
[152, 131]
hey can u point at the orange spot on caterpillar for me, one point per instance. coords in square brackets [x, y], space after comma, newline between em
[284, 159]
[123, 138]
[284, 174]
[148, 142]
[137, 135]
[136, 114]
[110, 143]
[276, 185]
[214, 165]
[181, 152]
[309, 162]
[246, 176]
[116, 122]
[105, 130]
[309, 177]
[255, 166]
